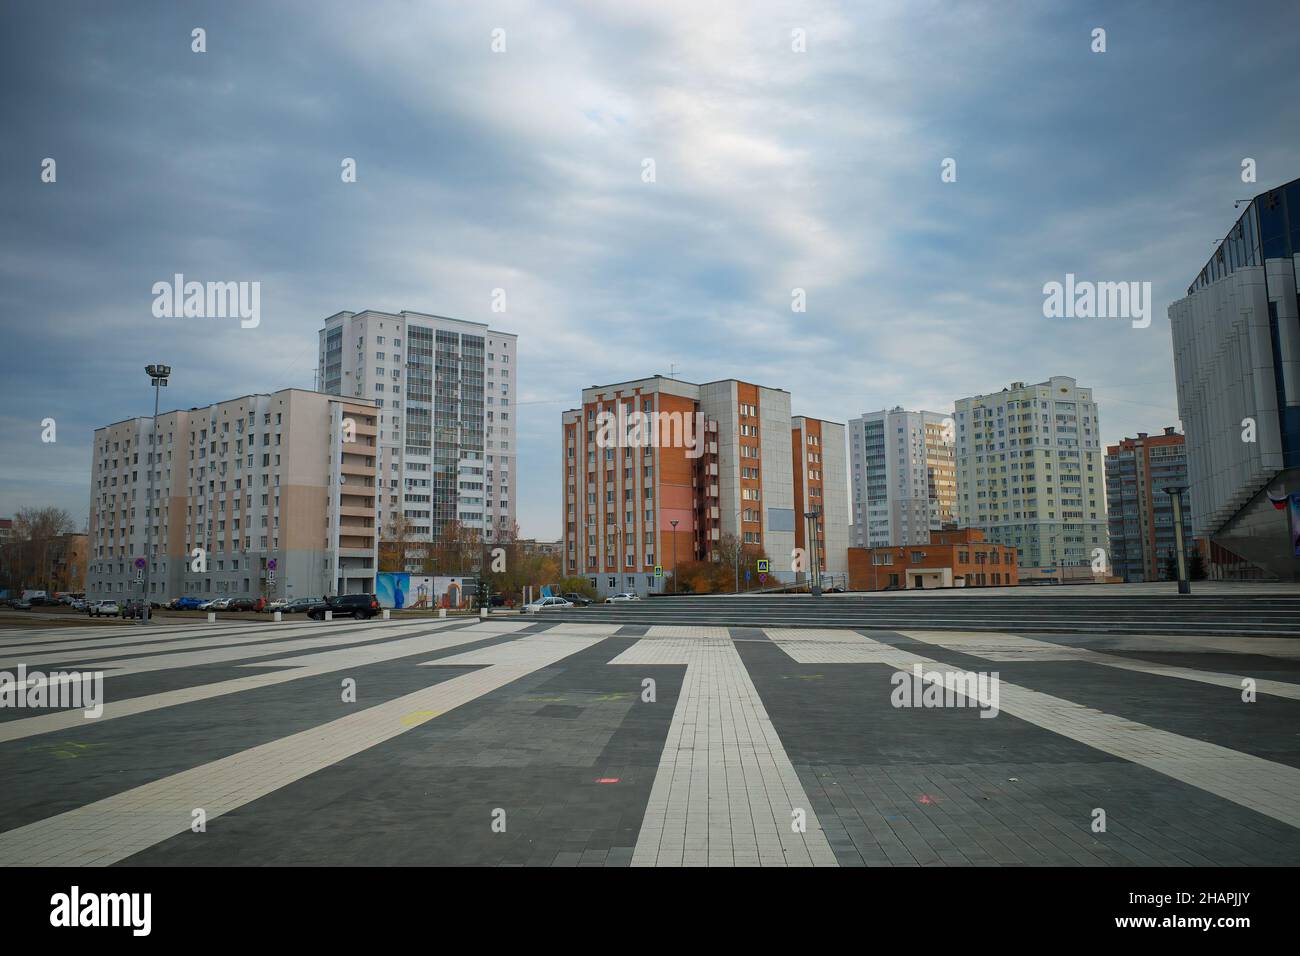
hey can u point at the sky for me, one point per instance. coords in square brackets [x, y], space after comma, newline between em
[523, 169]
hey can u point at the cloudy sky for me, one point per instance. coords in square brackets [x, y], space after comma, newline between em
[774, 170]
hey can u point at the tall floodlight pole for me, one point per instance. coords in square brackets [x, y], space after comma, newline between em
[158, 375]
[674, 524]
[1175, 493]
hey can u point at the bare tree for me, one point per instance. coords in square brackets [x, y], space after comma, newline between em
[399, 543]
[28, 553]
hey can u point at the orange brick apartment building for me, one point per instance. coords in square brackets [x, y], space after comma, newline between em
[952, 559]
[751, 470]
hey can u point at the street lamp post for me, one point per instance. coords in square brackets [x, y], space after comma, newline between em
[1175, 493]
[674, 524]
[158, 375]
[740, 531]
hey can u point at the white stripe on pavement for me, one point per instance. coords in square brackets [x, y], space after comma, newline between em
[725, 792]
[112, 829]
[1264, 786]
[298, 668]
[1013, 647]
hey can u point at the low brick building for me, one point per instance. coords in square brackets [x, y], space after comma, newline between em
[959, 558]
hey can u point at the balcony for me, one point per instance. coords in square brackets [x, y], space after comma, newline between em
[360, 427]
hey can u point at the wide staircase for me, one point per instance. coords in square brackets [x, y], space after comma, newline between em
[1080, 610]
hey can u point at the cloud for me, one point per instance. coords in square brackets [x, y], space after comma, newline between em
[522, 170]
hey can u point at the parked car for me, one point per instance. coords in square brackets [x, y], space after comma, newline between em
[217, 604]
[77, 604]
[132, 608]
[625, 596]
[186, 603]
[8, 602]
[21, 605]
[241, 604]
[358, 606]
[833, 589]
[576, 599]
[547, 604]
[298, 605]
[108, 608]
[277, 605]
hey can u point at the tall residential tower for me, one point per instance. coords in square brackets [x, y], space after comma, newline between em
[904, 477]
[1029, 473]
[1139, 512]
[445, 389]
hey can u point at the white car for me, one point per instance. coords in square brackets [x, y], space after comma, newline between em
[220, 604]
[275, 606]
[104, 609]
[625, 596]
[546, 603]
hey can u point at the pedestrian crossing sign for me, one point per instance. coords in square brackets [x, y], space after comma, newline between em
[763, 566]
[659, 570]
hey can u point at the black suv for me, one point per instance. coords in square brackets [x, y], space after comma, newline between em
[359, 606]
[577, 599]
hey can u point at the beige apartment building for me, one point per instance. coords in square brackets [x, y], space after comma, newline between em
[275, 493]
[1029, 474]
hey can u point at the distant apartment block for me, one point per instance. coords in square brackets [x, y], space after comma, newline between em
[532, 547]
[950, 559]
[903, 475]
[1029, 473]
[445, 389]
[1139, 512]
[625, 506]
[67, 562]
[820, 486]
[1236, 337]
[287, 477]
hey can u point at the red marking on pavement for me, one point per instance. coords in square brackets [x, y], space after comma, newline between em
[607, 780]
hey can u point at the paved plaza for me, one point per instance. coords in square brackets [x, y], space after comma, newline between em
[525, 740]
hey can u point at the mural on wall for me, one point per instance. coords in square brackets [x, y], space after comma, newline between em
[398, 589]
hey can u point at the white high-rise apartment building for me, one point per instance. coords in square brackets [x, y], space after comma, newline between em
[1029, 472]
[903, 477]
[445, 389]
